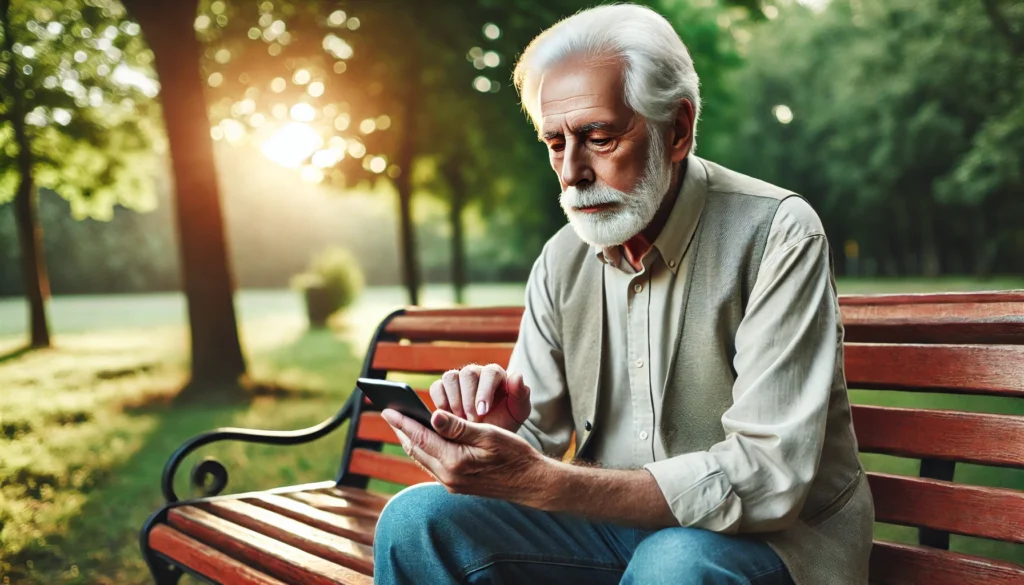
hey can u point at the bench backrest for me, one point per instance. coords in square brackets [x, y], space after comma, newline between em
[948, 344]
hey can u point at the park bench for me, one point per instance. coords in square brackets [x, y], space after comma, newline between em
[320, 533]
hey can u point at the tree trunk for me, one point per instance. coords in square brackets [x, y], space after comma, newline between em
[931, 266]
[206, 273]
[403, 184]
[30, 233]
[457, 187]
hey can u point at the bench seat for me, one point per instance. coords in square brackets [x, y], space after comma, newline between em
[955, 343]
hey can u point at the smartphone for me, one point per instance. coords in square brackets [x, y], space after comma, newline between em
[396, 396]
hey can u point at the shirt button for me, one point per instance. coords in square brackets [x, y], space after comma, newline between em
[643, 435]
[639, 363]
[671, 263]
[638, 287]
[587, 425]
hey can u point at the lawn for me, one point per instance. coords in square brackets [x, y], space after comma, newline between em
[85, 428]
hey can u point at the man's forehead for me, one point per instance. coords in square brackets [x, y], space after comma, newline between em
[576, 90]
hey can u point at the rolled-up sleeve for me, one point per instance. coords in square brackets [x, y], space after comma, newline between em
[538, 357]
[757, 479]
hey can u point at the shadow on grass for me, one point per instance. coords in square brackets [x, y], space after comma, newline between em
[16, 353]
[99, 544]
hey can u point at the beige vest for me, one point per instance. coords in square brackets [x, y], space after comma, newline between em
[831, 541]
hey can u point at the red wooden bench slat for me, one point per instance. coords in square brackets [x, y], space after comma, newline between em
[966, 369]
[356, 529]
[916, 299]
[282, 561]
[335, 505]
[499, 311]
[373, 427]
[436, 359]
[500, 328]
[950, 507]
[391, 468]
[205, 560]
[935, 318]
[358, 496]
[298, 534]
[988, 439]
[906, 564]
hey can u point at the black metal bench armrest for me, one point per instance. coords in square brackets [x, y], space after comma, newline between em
[214, 471]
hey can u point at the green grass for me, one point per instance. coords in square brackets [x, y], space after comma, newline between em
[85, 428]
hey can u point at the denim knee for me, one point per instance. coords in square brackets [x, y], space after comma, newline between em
[691, 555]
[410, 516]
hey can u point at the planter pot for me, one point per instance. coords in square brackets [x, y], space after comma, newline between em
[318, 306]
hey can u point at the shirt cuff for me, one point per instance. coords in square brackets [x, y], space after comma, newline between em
[698, 492]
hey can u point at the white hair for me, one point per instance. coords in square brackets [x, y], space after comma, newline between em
[628, 212]
[658, 69]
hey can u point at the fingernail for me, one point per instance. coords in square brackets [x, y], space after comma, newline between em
[481, 408]
[440, 420]
[390, 416]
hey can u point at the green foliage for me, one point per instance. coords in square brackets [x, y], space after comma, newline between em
[901, 121]
[335, 271]
[85, 79]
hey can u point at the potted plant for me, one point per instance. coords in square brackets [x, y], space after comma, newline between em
[331, 283]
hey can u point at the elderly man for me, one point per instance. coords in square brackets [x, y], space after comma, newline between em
[684, 326]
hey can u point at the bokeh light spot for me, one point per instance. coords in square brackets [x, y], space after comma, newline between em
[303, 112]
[383, 122]
[342, 122]
[783, 114]
[367, 126]
[202, 22]
[492, 31]
[301, 77]
[311, 174]
[482, 84]
[278, 85]
[215, 79]
[337, 18]
[292, 145]
[353, 24]
[315, 89]
[492, 59]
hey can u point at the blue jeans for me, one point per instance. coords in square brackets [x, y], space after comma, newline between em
[426, 535]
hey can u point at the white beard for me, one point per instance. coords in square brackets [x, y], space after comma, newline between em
[631, 212]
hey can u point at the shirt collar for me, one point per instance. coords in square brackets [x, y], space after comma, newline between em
[675, 237]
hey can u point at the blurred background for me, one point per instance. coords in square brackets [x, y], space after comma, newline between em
[206, 208]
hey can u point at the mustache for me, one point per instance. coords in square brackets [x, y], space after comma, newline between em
[592, 196]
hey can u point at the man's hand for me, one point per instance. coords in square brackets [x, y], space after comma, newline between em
[473, 458]
[484, 394]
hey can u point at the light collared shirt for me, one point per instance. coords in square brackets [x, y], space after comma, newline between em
[643, 311]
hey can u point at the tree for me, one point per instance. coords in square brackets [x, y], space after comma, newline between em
[206, 274]
[73, 118]
[907, 141]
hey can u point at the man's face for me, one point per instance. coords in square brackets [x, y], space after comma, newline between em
[613, 172]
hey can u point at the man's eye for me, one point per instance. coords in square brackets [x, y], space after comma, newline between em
[557, 146]
[600, 141]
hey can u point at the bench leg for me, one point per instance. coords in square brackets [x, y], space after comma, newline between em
[163, 573]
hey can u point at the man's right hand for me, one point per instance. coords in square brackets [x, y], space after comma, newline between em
[486, 394]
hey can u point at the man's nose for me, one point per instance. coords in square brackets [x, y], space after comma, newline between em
[576, 169]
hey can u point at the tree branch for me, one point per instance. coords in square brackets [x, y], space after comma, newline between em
[1002, 26]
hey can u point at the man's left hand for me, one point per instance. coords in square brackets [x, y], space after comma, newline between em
[473, 458]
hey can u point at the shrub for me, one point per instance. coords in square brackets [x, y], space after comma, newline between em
[331, 283]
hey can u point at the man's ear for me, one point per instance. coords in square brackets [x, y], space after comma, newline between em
[682, 132]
